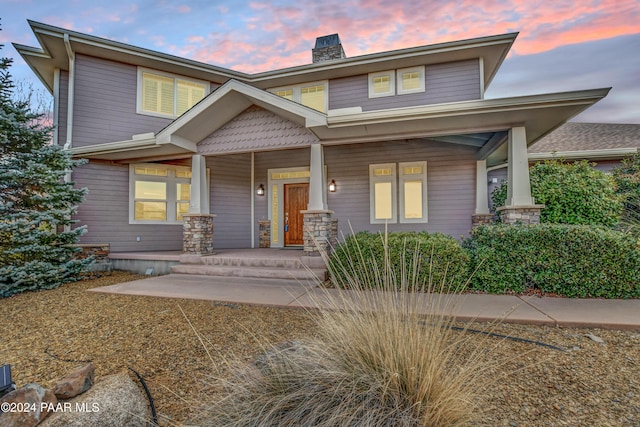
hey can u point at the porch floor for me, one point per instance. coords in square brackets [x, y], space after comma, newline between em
[282, 253]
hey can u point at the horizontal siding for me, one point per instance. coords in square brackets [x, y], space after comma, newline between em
[450, 184]
[449, 82]
[105, 212]
[105, 103]
[230, 197]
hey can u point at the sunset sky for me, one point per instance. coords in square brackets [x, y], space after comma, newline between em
[562, 45]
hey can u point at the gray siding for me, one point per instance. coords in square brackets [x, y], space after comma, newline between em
[230, 197]
[256, 129]
[501, 175]
[105, 103]
[105, 212]
[449, 82]
[450, 184]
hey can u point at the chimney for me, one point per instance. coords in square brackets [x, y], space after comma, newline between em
[327, 48]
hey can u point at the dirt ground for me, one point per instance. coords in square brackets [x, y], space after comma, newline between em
[45, 334]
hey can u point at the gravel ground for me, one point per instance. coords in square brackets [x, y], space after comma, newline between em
[45, 334]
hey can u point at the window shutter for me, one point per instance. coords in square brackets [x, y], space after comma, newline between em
[188, 95]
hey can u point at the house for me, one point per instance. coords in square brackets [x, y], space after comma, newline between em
[603, 144]
[182, 154]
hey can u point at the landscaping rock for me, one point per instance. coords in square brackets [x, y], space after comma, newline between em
[28, 406]
[115, 400]
[76, 382]
[595, 338]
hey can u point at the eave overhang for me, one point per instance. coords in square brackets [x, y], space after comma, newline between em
[52, 54]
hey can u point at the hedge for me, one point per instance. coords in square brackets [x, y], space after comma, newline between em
[437, 258]
[571, 260]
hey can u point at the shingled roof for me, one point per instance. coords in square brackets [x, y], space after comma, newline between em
[589, 136]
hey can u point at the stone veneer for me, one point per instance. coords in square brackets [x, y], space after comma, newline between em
[520, 214]
[100, 253]
[320, 232]
[482, 219]
[264, 237]
[197, 234]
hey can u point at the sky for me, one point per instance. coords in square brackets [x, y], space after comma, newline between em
[562, 45]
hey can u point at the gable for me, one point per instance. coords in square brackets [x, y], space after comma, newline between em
[256, 129]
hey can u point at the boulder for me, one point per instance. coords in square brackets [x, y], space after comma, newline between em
[28, 406]
[115, 400]
[76, 382]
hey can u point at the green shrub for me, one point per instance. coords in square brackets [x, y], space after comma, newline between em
[627, 177]
[433, 257]
[570, 260]
[573, 193]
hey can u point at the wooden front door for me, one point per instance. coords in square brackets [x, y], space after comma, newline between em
[296, 199]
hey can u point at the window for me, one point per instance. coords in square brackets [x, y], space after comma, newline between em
[413, 192]
[160, 194]
[392, 198]
[312, 95]
[166, 95]
[400, 82]
[411, 80]
[382, 193]
[382, 84]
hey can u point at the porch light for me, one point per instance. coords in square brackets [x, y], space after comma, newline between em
[260, 190]
[332, 186]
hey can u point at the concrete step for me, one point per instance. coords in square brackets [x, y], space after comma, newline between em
[249, 271]
[269, 262]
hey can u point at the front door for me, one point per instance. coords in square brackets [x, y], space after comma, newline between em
[296, 199]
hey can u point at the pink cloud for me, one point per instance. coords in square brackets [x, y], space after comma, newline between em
[183, 9]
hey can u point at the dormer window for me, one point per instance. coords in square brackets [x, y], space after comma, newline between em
[411, 80]
[382, 84]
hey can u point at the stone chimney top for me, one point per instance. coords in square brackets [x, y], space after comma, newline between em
[327, 48]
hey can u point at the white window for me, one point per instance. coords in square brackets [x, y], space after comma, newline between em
[382, 84]
[158, 194]
[312, 95]
[413, 192]
[411, 80]
[398, 192]
[382, 193]
[166, 95]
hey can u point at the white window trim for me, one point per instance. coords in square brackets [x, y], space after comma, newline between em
[175, 77]
[392, 86]
[420, 71]
[297, 92]
[394, 193]
[171, 180]
[413, 177]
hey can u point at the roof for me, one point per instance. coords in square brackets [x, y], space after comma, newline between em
[54, 42]
[589, 136]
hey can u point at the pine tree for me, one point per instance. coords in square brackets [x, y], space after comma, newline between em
[35, 201]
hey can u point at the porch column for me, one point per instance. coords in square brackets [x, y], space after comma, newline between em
[199, 203]
[317, 184]
[197, 231]
[520, 206]
[320, 230]
[482, 214]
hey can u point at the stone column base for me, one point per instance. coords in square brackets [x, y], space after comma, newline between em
[482, 219]
[320, 232]
[197, 234]
[264, 238]
[520, 214]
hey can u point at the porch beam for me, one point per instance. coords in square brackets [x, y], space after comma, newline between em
[519, 186]
[317, 181]
[199, 203]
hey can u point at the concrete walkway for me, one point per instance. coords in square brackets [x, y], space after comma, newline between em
[585, 313]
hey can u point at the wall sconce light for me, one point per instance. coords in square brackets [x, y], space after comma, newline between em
[260, 190]
[332, 186]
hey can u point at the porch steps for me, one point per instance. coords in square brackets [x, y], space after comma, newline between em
[264, 267]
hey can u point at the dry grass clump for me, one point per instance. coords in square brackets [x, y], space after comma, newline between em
[378, 360]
